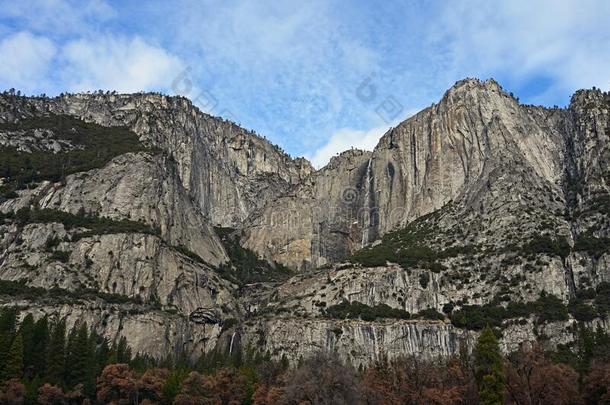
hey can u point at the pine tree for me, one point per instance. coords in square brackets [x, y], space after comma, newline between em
[26, 330]
[488, 369]
[40, 342]
[80, 364]
[102, 355]
[13, 367]
[123, 352]
[57, 354]
[8, 321]
[70, 356]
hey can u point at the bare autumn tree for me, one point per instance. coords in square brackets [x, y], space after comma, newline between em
[532, 379]
[447, 383]
[268, 395]
[322, 379]
[415, 381]
[383, 383]
[597, 384]
[117, 385]
[268, 389]
[227, 387]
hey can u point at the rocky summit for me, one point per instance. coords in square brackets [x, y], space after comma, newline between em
[185, 233]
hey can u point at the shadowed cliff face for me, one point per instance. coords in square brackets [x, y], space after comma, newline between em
[477, 200]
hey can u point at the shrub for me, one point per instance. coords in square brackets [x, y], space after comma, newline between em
[244, 266]
[582, 312]
[547, 308]
[60, 256]
[355, 309]
[592, 245]
[448, 308]
[21, 290]
[430, 313]
[424, 278]
[544, 244]
[550, 309]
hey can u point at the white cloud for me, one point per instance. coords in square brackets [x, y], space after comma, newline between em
[345, 139]
[117, 63]
[293, 66]
[57, 17]
[25, 60]
[564, 41]
[35, 64]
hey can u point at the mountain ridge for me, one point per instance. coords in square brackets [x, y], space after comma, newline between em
[476, 209]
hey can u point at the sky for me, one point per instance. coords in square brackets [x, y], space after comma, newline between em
[314, 77]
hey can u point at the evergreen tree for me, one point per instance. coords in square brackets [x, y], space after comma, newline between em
[40, 342]
[123, 352]
[69, 355]
[13, 367]
[57, 354]
[26, 330]
[80, 364]
[102, 354]
[488, 369]
[8, 321]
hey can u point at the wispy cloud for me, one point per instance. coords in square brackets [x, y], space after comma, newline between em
[57, 18]
[345, 139]
[117, 63]
[565, 43]
[348, 138]
[26, 60]
[292, 70]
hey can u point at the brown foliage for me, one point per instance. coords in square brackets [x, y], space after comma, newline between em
[224, 387]
[117, 385]
[597, 385]
[534, 380]
[12, 392]
[151, 384]
[51, 395]
[266, 395]
[411, 381]
[322, 379]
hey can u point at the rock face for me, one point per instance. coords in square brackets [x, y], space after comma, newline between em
[316, 222]
[475, 201]
[227, 170]
[473, 139]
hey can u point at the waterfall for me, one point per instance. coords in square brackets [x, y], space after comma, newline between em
[231, 344]
[366, 221]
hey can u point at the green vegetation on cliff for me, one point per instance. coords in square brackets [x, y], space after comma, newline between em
[244, 265]
[95, 225]
[94, 146]
[358, 310]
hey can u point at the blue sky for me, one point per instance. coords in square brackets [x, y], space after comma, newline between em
[315, 77]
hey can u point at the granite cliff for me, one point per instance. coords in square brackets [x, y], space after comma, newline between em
[144, 217]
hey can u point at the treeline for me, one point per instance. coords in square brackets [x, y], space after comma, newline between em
[35, 353]
[43, 363]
